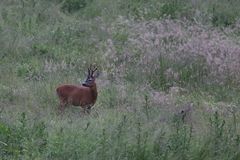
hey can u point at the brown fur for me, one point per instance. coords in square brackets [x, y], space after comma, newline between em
[76, 95]
[84, 95]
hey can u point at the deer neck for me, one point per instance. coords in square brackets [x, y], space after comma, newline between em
[94, 92]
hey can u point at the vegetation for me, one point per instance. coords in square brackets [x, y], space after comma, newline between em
[168, 87]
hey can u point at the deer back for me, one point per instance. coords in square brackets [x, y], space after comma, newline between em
[77, 95]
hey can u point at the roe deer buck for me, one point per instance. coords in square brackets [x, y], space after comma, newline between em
[84, 95]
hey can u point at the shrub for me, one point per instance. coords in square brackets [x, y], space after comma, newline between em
[223, 16]
[25, 139]
[171, 8]
[73, 5]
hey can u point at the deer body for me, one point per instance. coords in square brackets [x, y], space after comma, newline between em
[84, 95]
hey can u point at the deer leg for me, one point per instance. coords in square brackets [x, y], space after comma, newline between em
[86, 110]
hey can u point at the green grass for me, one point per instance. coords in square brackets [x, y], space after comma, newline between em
[115, 135]
[47, 43]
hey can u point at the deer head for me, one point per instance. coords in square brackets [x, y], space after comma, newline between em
[92, 75]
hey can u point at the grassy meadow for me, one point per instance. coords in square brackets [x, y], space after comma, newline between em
[169, 84]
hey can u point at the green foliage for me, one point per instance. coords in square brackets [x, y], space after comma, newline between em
[220, 135]
[110, 97]
[173, 7]
[155, 9]
[122, 137]
[226, 92]
[179, 141]
[73, 5]
[23, 70]
[193, 73]
[6, 94]
[23, 140]
[158, 79]
[190, 74]
[134, 8]
[42, 46]
[29, 72]
[223, 16]
[67, 145]
[40, 49]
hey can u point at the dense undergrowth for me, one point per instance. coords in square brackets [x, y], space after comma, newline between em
[168, 88]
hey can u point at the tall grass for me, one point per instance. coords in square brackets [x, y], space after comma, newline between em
[156, 58]
[124, 137]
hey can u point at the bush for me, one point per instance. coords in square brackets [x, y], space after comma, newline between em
[223, 16]
[73, 5]
[25, 139]
[172, 8]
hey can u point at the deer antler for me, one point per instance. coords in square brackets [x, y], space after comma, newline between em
[91, 70]
[94, 69]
